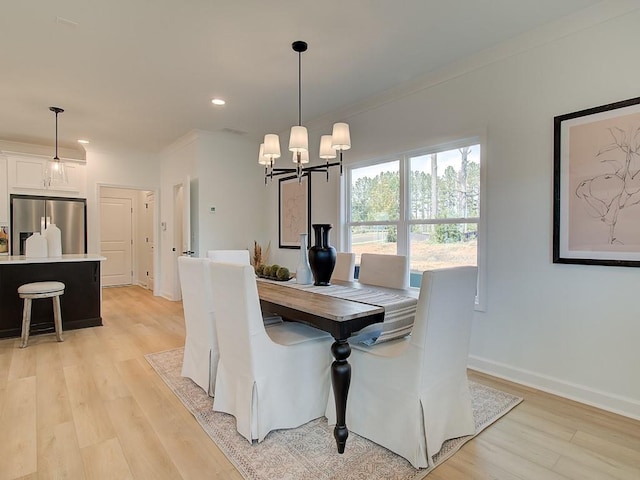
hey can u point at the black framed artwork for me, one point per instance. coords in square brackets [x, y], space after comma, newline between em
[596, 185]
[294, 210]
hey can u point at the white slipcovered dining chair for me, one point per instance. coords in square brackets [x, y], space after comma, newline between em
[410, 395]
[345, 267]
[200, 359]
[229, 256]
[241, 257]
[267, 378]
[391, 271]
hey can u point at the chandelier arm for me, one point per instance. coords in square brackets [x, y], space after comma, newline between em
[320, 168]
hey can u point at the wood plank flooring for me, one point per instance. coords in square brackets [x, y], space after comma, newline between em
[93, 408]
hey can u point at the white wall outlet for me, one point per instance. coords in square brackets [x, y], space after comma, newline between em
[212, 209]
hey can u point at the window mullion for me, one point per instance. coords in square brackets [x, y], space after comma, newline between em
[403, 233]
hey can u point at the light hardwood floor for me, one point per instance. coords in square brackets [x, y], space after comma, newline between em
[93, 408]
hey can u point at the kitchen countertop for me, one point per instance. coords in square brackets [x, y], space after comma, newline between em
[71, 257]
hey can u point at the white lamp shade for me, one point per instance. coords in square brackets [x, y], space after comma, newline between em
[326, 150]
[262, 160]
[299, 140]
[271, 146]
[341, 138]
[304, 157]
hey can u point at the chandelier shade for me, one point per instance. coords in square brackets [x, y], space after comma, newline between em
[299, 139]
[271, 146]
[330, 145]
[262, 160]
[340, 137]
[301, 157]
[327, 151]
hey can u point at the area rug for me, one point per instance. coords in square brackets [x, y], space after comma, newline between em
[309, 452]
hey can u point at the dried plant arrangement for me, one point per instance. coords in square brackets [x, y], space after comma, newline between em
[259, 257]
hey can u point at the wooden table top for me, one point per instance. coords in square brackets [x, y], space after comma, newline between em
[337, 316]
[335, 309]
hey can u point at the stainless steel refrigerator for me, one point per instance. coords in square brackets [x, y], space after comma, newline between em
[30, 213]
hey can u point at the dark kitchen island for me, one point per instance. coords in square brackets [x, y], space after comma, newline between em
[80, 303]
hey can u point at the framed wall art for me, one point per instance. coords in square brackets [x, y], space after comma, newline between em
[4, 240]
[294, 210]
[596, 188]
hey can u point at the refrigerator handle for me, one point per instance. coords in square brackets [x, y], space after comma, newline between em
[43, 225]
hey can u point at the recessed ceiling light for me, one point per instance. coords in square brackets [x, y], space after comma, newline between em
[218, 101]
[84, 142]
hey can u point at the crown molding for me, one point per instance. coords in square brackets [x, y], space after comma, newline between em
[41, 150]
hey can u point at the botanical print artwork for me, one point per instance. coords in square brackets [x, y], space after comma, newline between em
[293, 210]
[604, 185]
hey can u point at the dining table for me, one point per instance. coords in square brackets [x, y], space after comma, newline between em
[339, 317]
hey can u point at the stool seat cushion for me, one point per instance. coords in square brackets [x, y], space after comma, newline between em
[40, 287]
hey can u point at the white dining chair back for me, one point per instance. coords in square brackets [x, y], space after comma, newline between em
[267, 378]
[241, 257]
[229, 256]
[201, 347]
[391, 271]
[412, 394]
[345, 267]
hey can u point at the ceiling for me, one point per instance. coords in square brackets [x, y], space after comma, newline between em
[138, 74]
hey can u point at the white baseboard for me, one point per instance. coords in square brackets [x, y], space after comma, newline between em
[625, 406]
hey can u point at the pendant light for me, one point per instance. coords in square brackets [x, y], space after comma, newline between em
[330, 145]
[55, 173]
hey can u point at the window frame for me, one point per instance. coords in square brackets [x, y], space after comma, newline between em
[405, 222]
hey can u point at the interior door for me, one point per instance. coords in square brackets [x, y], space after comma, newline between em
[116, 241]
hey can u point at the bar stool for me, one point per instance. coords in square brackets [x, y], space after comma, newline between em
[30, 291]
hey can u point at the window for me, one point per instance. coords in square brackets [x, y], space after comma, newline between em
[423, 204]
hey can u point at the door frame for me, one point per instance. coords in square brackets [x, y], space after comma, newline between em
[156, 223]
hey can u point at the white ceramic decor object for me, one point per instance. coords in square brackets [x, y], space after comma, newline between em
[54, 240]
[303, 271]
[35, 246]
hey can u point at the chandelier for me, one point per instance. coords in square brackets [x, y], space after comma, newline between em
[330, 145]
[55, 173]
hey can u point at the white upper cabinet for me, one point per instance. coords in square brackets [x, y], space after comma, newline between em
[26, 176]
[4, 192]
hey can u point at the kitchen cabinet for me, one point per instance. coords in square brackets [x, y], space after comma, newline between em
[4, 192]
[25, 176]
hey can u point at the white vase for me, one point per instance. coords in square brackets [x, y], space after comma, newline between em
[54, 241]
[303, 272]
[36, 246]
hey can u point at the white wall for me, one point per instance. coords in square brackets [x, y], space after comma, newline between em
[178, 162]
[229, 179]
[116, 169]
[569, 329]
[224, 174]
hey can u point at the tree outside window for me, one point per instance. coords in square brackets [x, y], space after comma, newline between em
[436, 224]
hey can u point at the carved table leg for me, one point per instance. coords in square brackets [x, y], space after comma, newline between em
[341, 379]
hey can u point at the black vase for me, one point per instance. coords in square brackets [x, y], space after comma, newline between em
[322, 256]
